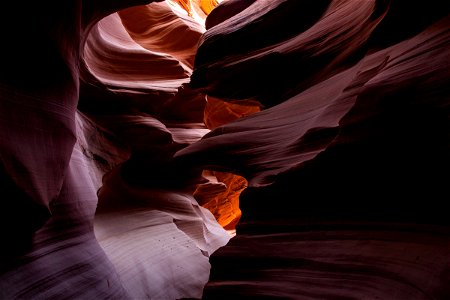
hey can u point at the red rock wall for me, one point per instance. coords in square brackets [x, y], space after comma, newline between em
[120, 120]
[94, 206]
[348, 162]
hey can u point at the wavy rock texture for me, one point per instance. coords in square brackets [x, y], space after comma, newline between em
[159, 28]
[333, 261]
[325, 39]
[225, 11]
[97, 209]
[129, 130]
[221, 193]
[348, 168]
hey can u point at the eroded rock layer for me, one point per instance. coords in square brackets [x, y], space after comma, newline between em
[349, 167]
[96, 207]
[135, 134]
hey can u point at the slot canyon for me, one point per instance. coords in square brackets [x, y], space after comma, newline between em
[234, 149]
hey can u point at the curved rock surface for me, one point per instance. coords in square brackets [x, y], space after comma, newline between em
[298, 54]
[333, 261]
[289, 134]
[138, 136]
[159, 28]
[348, 170]
[80, 202]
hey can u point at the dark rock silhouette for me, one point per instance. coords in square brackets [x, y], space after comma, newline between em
[130, 128]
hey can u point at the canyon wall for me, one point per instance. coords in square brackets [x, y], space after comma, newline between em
[138, 137]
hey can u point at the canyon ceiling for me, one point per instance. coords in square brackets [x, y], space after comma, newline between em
[234, 149]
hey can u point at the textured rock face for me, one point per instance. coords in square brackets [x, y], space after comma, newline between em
[95, 207]
[348, 168]
[129, 130]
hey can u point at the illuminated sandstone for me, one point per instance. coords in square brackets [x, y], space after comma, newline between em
[335, 111]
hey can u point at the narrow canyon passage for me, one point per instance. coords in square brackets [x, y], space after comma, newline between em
[234, 149]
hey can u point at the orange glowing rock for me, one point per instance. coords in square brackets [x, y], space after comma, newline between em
[143, 23]
[221, 196]
[196, 9]
[221, 193]
[208, 5]
[103, 138]
[218, 112]
[186, 5]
